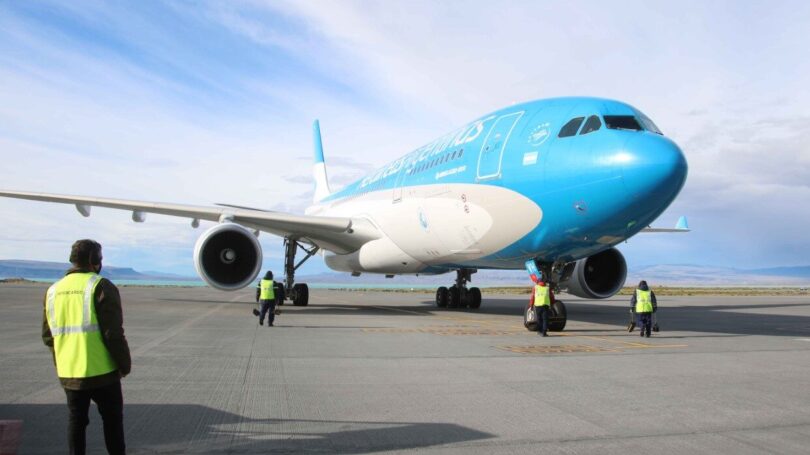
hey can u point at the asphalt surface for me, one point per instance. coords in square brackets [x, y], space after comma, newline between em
[362, 372]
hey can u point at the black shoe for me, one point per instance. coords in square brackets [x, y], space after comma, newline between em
[545, 334]
[261, 322]
[641, 334]
[270, 324]
[648, 335]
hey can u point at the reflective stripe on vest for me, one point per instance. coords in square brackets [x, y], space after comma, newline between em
[643, 301]
[71, 313]
[267, 291]
[541, 296]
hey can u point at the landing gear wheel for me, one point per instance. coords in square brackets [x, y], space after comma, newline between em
[474, 298]
[301, 293]
[557, 317]
[454, 297]
[442, 296]
[464, 298]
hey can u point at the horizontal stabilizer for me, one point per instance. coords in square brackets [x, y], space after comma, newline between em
[680, 226]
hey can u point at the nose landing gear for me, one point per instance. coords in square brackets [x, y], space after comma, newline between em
[458, 295]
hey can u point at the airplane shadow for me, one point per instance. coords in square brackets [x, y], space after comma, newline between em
[741, 319]
[182, 428]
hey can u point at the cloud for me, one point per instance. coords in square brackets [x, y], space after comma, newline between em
[213, 102]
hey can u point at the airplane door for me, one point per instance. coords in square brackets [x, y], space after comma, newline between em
[489, 160]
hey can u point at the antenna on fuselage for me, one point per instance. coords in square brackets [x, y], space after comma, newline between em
[319, 167]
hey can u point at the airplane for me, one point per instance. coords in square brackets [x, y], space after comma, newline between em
[551, 185]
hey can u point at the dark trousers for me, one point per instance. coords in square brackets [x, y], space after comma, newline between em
[269, 309]
[110, 404]
[645, 322]
[542, 318]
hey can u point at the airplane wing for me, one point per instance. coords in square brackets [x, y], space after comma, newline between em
[680, 226]
[337, 234]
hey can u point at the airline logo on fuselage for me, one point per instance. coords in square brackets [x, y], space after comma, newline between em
[461, 136]
[539, 134]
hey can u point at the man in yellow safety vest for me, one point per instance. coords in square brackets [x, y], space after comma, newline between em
[267, 299]
[82, 324]
[541, 298]
[643, 304]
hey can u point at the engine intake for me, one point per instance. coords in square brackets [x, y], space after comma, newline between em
[228, 256]
[596, 277]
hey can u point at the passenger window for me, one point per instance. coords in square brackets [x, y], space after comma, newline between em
[460, 152]
[622, 122]
[591, 125]
[571, 128]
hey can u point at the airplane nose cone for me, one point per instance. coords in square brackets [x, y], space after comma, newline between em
[653, 168]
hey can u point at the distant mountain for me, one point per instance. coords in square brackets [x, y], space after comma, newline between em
[673, 274]
[719, 276]
[55, 270]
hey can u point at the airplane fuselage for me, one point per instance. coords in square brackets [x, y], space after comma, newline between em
[525, 182]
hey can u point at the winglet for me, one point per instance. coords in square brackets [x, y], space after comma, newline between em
[319, 167]
[682, 224]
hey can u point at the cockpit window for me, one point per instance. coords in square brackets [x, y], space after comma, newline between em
[571, 128]
[591, 125]
[648, 124]
[622, 122]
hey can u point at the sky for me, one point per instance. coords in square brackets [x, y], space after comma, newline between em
[204, 102]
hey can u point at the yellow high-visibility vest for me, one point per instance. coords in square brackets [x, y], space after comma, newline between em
[541, 296]
[71, 314]
[267, 291]
[643, 301]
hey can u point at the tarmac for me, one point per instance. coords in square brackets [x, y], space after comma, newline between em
[372, 372]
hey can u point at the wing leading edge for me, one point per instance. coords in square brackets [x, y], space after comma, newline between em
[337, 234]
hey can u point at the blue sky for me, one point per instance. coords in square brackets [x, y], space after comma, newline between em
[204, 102]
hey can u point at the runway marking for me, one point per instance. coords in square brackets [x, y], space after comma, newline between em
[554, 349]
[629, 344]
[443, 330]
[173, 331]
[802, 339]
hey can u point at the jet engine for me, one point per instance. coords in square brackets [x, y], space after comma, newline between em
[228, 256]
[596, 277]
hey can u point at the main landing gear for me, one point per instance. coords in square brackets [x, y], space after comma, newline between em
[458, 295]
[298, 293]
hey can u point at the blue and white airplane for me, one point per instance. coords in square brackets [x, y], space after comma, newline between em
[551, 184]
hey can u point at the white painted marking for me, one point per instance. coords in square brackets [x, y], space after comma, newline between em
[529, 158]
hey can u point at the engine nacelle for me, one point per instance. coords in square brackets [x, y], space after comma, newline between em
[596, 277]
[228, 256]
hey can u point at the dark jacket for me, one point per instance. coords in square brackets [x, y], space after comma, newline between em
[643, 287]
[111, 323]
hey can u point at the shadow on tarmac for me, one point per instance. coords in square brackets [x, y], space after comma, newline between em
[743, 319]
[179, 428]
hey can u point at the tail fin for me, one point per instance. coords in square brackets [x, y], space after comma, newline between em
[319, 167]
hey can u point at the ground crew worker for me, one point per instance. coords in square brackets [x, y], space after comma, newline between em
[82, 324]
[541, 299]
[643, 304]
[267, 298]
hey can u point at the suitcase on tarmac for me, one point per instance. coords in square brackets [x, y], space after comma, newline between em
[530, 319]
[632, 324]
[655, 327]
